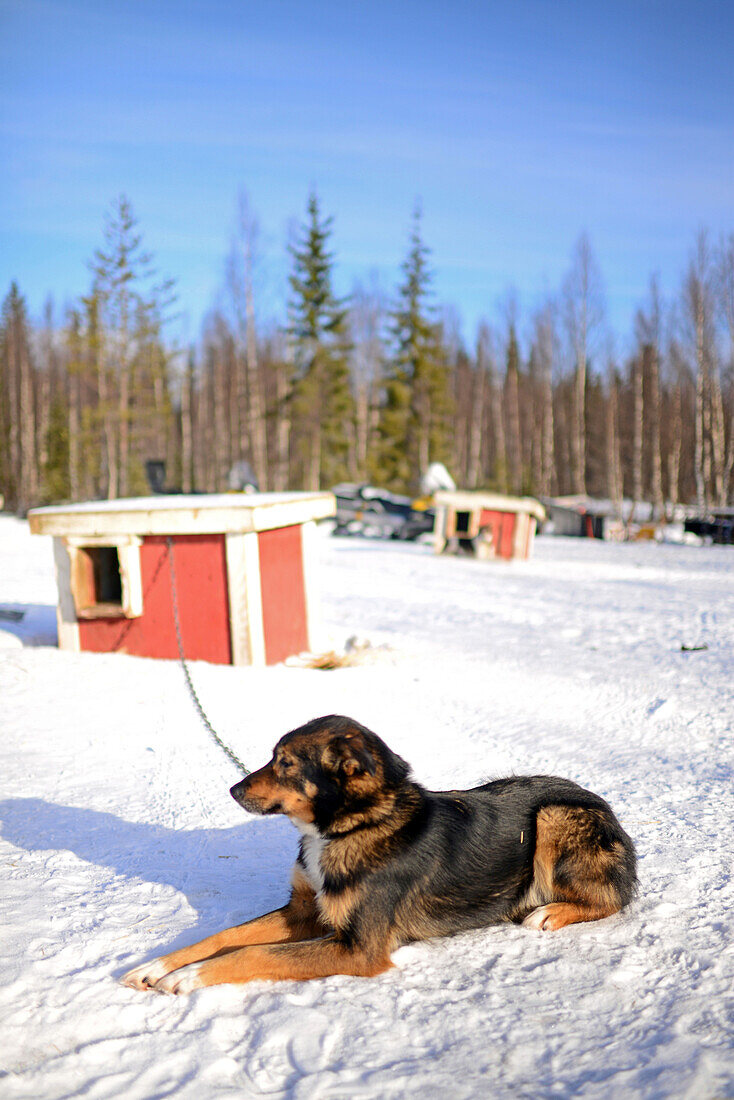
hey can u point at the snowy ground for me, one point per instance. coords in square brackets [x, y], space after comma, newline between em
[119, 837]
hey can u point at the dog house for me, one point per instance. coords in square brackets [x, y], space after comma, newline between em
[238, 571]
[486, 525]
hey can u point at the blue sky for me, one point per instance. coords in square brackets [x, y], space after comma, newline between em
[517, 125]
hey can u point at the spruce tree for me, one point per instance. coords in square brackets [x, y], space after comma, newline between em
[18, 400]
[512, 409]
[414, 426]
[321, 398]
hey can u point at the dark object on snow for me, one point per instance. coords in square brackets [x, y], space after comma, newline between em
[693, 648]
[10, 616]
[417, 523]
[717, 525]
[582, 516]
[377, 513]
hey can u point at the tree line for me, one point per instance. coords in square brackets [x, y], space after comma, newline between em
[372, 387]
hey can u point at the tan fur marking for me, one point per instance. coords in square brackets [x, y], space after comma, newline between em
[338, 908]
[571, 832]
[265, 788]
[295, 804]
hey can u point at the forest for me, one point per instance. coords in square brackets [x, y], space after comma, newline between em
[369, 387]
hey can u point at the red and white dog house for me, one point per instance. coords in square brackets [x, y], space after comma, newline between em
[244, 569]
[488, 525]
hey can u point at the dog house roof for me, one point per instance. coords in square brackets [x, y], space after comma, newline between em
[192, 515]
[492, 502]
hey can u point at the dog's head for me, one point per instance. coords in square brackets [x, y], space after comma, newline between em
[323, 774]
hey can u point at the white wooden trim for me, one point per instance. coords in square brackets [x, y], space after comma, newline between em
[239, 632]
[130, 573]
[493, 502]
[207, 514]
[128, 556]
[68, 627]
[254, 602]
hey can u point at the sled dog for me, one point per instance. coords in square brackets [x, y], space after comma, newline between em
[384, 862]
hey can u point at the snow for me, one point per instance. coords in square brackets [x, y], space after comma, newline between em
[118, 837]
[178, 503]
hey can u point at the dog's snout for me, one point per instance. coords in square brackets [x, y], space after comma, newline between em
[239, 791]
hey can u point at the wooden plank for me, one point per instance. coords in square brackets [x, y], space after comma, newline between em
[283, 593]
[68, 627]
[207, 514]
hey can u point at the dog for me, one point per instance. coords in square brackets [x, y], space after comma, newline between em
[384, 862]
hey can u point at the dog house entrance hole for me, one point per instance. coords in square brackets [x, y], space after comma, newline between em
[97, 583]
[463, 523]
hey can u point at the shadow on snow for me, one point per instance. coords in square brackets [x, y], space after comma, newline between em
[227, 875]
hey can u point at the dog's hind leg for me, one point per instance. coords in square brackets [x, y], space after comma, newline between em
[583, 868]
[298, 920]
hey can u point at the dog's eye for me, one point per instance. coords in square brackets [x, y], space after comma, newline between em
[286, 764]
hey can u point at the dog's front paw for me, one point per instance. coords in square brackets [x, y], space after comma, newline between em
[185, 980]
[145, 976]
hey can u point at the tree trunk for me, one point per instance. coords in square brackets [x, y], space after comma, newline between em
[257, 426]
[614, 461]
[547, 460]
[698, 462]
[283, 427]
[187, 427]
[637, 426]
[498, 429]
[674, 447]
[578, 435]
[656, 470]
[718, 442]
[475, 426]
[514, 453]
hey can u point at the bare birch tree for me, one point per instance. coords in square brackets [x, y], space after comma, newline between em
[583, 309]
[366, 319]
[647, 331]
[250, 390]
[545, 348]
[477, 416]
[725, 294]
[698, 313]
[614, 457]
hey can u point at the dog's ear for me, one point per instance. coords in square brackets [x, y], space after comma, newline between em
[349, 755]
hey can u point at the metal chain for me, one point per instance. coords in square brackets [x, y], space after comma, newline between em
[189, 683]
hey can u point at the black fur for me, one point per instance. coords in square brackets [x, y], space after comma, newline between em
[442, 861]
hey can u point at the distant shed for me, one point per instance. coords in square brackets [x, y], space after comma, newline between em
[488, 525]
[586, 517]
[243, 566]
